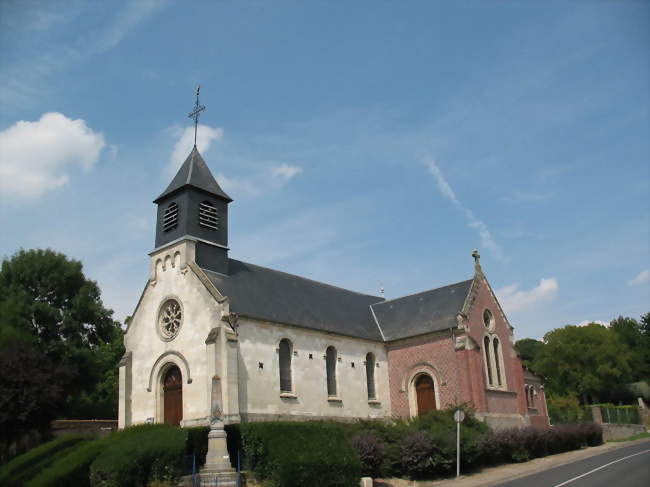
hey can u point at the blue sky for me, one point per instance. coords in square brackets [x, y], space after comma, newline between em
[364, 143]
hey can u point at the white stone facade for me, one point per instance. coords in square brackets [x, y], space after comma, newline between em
[244, 357]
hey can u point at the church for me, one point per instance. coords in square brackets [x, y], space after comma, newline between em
[212, 336]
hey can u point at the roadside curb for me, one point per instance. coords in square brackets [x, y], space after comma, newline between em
[496, 475]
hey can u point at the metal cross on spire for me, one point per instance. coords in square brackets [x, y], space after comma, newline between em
[194, 114]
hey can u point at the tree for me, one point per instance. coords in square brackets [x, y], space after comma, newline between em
[48, 304]
[630, 332]
[528, 349]
[32, 387]
[583, 361]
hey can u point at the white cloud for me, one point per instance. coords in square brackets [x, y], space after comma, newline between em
[205, 135]
[472, 221]
[285, 171]
[513, 299]
[36, 157]
[642, 277]
[588, 322]
[239, 187]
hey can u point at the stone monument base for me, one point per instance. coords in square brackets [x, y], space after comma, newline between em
[217, 470]
[218, 479]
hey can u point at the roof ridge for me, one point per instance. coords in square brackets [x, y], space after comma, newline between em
[423, 292]
[311, 280]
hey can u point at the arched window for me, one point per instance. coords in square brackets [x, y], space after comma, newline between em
[330, 359]
[170, 217]
[497, 360]
[370, 375]
[531, 394]
[488, 362]
[285, 366]
[208, 216]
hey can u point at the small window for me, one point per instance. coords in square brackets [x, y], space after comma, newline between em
[208, 216]
[170, 218]
[370, 376]
[488, 364]
[330, 359]
[285, 366]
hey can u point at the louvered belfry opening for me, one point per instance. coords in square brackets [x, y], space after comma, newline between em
[170, 218]
[208, 216]
[330, 359]
[285, 366]
[370, 375]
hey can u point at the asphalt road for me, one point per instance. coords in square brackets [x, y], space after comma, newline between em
[626, 467]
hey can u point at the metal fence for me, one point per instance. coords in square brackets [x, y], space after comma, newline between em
[620, 414]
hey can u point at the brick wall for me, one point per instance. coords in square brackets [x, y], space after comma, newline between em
[460, 375]
[432, 352]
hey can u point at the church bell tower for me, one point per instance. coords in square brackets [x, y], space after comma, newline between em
[194, 207]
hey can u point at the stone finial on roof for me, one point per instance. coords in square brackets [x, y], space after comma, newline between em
[477, 260]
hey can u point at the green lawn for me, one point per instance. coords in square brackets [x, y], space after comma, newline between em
[631, 438]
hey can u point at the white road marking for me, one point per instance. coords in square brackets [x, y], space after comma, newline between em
[601, 467]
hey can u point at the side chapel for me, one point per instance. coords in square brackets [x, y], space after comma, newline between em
[211, 333]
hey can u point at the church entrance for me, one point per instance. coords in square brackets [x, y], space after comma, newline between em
[425, 393]
[173, 396]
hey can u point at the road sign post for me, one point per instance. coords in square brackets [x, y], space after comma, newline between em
[459, 416]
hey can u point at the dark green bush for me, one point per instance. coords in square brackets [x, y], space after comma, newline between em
[139, 455]
[26, 466]
[294, 454]
[70, 469]
[197, 443]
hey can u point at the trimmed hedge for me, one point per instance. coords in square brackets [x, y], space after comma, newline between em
[71, 468]
[294, 454]
[26, 466]
[423, 447]
[523, 444]
[139, 455]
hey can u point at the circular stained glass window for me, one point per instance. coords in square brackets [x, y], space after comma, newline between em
[170, 319]
[488, 319]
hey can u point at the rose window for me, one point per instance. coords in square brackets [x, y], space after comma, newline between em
[170, 318]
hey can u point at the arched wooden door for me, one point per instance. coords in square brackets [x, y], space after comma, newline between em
[425, 393]
[173, 396]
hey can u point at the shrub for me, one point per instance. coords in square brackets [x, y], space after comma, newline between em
[197, 443]
[28, 465]
[139, 455]
[296, 454]
[371, 453]
[70, 469]
[418, 454]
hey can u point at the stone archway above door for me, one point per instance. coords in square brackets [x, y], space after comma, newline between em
[170, 356]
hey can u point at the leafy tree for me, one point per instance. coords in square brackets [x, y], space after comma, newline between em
[31, 388]
[583, 361]
[630, 332]
[47, 303]
[528, 349]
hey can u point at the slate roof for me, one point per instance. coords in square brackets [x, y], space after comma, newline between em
[270, 295]
[423, 312]
[267, 294]
[194, 172]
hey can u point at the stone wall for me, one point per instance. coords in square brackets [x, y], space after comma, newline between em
[259, 377]
[62, 427]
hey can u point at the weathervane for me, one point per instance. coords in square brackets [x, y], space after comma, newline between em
[194, 114]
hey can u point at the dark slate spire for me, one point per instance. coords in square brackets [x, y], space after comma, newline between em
[194, 172]
[194, 207]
